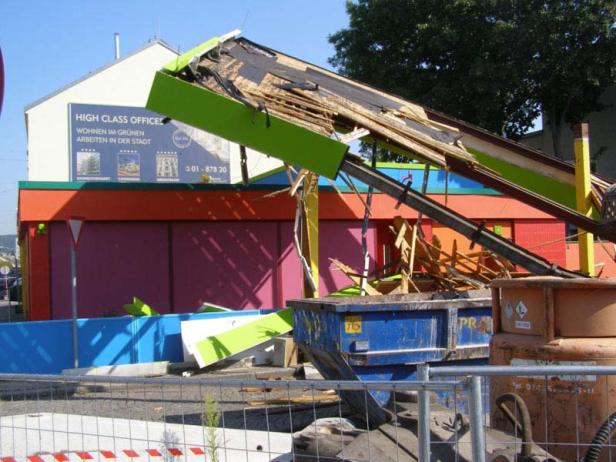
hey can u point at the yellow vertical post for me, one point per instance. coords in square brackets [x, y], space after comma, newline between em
[310, 233]
[583, 195]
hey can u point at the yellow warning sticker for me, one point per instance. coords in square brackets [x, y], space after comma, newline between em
[352, 324]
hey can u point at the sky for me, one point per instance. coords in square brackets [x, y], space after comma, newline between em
[48, 44]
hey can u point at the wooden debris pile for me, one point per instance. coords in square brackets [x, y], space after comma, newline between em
[314, 99]
[425, 266]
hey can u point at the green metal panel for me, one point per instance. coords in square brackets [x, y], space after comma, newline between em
[182, 61]
[236, 122]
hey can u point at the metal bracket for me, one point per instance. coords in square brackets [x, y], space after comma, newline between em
[405, 193]
[477, 233]
[244, 165]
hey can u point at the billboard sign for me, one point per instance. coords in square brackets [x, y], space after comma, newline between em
[129, 144]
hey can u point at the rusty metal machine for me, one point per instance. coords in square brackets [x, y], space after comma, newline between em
[553, 321]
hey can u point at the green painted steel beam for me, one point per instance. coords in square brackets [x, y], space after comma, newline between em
[213, 349]
[241, 124]
[184, 59]
[560, 192]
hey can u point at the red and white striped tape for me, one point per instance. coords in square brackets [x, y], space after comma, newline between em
[105, 455]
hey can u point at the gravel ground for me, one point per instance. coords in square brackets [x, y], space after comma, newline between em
[171, 403]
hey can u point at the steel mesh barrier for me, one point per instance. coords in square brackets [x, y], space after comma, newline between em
[480, 413]
[72, 418]
[545, 412]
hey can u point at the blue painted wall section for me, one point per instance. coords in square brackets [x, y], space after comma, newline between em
[403, 173]
[45, 347]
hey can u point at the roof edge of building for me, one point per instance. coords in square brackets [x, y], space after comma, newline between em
[98, 70]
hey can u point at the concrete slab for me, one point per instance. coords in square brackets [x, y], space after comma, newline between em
[82, 438]
[154, 369]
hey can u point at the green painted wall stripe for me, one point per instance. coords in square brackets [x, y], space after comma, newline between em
[238, 123]
[85, 186]
[260, 176]
[215, 348]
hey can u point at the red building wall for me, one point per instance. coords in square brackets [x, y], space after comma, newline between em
[178, 266]
[38, 282]
[115, 261]
[544, 237]
[175, 249]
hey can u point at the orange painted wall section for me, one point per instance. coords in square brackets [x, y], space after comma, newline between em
[604, 258]
[152, 205]
[114, 207]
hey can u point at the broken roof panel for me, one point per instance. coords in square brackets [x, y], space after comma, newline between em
[298, 112]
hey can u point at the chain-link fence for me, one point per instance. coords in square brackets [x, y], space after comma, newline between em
[545, 412]
[488, 413]
[59, 418]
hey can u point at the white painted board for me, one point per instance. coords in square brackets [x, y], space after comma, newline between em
[198, 329]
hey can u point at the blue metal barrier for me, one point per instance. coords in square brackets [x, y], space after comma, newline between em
[44, 347]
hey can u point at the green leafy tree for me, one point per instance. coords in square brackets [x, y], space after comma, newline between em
[573, 57]
[494, 63]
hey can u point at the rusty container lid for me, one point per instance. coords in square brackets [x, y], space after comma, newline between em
[583, 307]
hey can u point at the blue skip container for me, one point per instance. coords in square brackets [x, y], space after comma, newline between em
[386, 337]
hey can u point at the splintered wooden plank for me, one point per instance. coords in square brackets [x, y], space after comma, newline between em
[213, 349]
[304, 399]
[354, 277]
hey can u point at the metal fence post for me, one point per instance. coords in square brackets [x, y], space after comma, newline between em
[74, 307]
[476, 418]
[423, 375]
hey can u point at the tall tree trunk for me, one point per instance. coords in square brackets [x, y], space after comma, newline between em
[555, 131]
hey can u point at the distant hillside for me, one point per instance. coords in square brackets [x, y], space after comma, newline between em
[8, 241]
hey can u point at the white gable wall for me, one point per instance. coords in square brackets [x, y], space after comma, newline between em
[125, 83]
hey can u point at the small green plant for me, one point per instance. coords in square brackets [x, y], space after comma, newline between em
[211, 419]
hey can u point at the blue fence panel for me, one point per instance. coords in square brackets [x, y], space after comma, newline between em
[35, 347]
[105, 341]
[45, 347]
